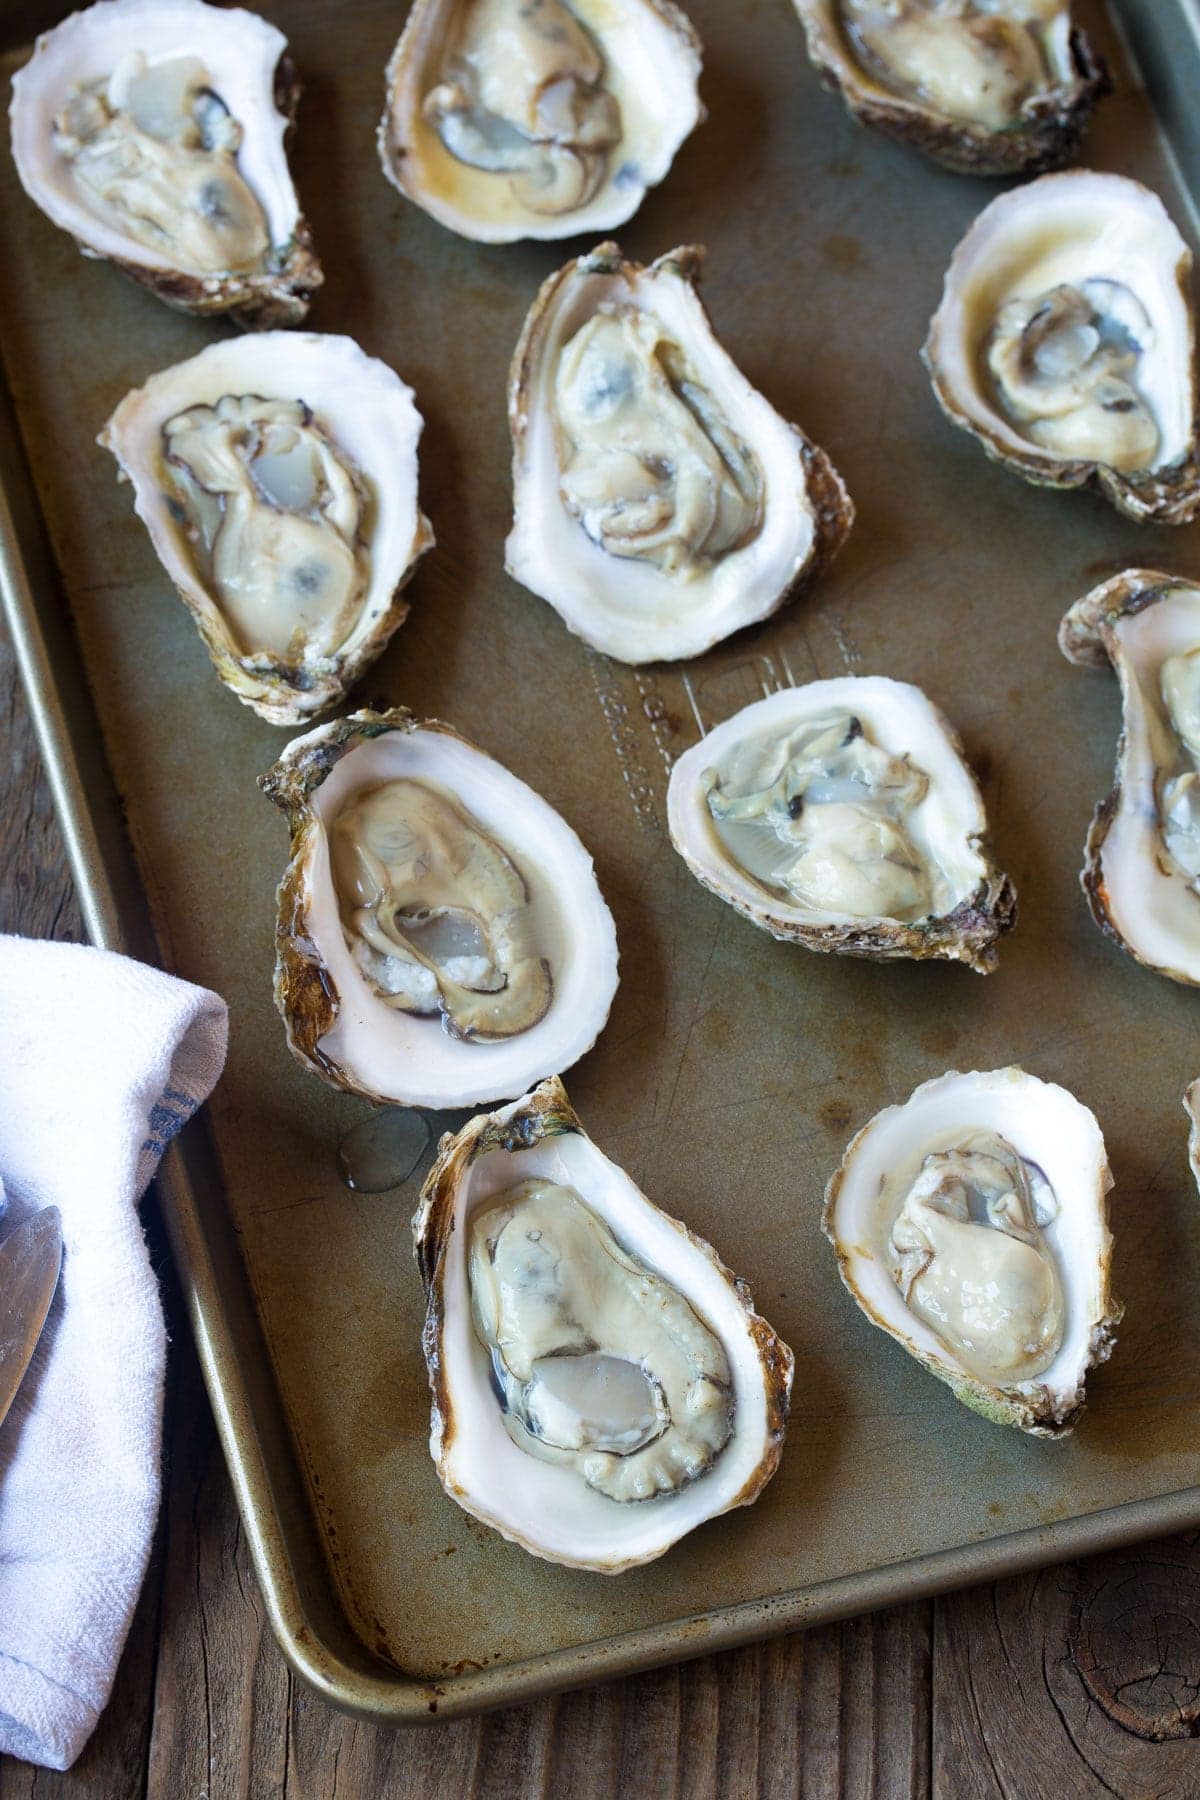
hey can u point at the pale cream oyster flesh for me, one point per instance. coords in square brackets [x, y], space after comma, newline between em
[1064, 342]
[1141, 871]
[537, 120]
[153, 131]
[659, 501]
[842, 816]
[971, 1225]
[277, 477]
[601, 1383]
[992, 87]
[441, 937]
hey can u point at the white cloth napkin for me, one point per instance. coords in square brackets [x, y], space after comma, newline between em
[101, 1062]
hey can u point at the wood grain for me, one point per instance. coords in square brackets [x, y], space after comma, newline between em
[1079, 1682]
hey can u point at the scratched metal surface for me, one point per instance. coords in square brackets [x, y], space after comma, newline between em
[733, 1069]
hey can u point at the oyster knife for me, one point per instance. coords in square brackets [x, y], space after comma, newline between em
[30, 1259]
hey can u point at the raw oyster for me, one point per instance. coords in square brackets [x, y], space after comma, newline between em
[841, 816]
[277, 477]
[971, 1225]
[1063, 342]
[601, 1382]
[991, 87]
[441, 937]
[539, 120]
[153, 131]
[659, 501]
[1141, 871]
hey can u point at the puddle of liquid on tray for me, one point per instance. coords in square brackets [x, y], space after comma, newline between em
[382, 1150]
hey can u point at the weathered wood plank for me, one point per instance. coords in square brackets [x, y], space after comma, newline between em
[1082, 1681]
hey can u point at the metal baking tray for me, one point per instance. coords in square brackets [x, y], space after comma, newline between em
[733, 1069]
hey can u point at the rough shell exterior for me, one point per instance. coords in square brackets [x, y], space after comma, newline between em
[547, 1113]
[1048, 137]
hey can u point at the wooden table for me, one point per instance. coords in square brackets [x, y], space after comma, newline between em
[1079, 1682]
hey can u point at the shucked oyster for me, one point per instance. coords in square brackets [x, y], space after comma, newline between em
[538, 120]
[441, 936]
[992, 87]
[970, 1224]
[659, 501]
[601, 1382]
[153, 131]
[1141, 873]
[841, 816]
[277, 477]
[1063, 342]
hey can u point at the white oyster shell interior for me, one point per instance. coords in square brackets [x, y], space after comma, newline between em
[887, 844]
[1059, 1141]
[537, 121]
[547, 1506]
[239, 50]
[411, 1059]
[724, 539]
[367, 414]
[1062, 317]
[1148, 862]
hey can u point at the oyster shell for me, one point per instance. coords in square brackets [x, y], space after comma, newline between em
[989, 87]
[277, 477]
[1063, 342]
[153, 131]
[971, 1225]
[601, 1382]
[1191, 1106]
[541, 120]
[441, 937]
[1141, 871]
[841, 816]
[659, 501]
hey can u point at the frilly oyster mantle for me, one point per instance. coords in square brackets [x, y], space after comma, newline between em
[601, 1382]
[1064, 342]
[538, 120]
[1141, 871]
[659, 501]
[153, 131]
[277, 478]
[991, 87]
[841, 816]
[441, 938]
[970, 1224]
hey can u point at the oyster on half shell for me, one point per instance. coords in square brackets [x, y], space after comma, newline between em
[153, 131]
[1141, 871]
[1064, 342]
[991, 87]
[277, 477]
[539, 120]
[659, 501]
[841, 816]
[971, 1225]
[601, 1382]
[441, 936]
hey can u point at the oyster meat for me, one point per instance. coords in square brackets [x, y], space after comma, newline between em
[971, 1225]
[1141, 870]
[153, 131]
[538, 120]
[659, 501]
[842, 816]
[441, 937]
[277, 477]
[991, 87]
[601, 1383]
[1063, 342]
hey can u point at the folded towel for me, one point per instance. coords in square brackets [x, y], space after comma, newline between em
[101, 1062]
